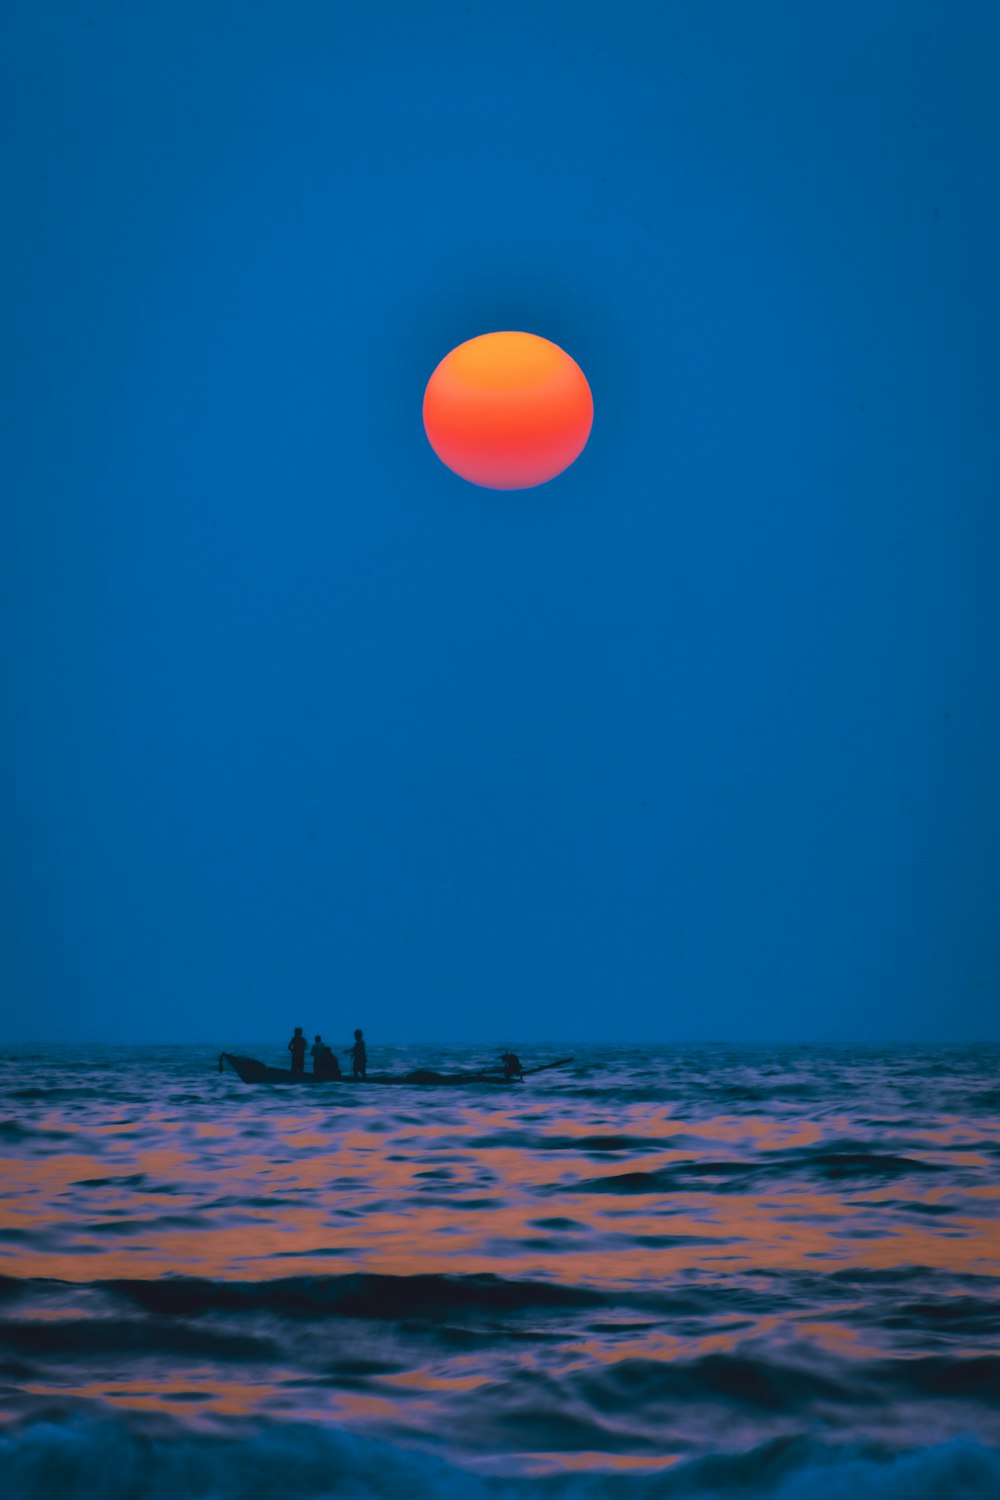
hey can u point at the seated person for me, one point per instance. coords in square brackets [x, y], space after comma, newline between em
[326, 1064]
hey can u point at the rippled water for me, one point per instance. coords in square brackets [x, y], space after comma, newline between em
[688, 1271]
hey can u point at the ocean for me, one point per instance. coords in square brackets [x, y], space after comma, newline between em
[676, 1271]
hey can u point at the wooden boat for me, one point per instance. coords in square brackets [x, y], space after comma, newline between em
[252, 1071]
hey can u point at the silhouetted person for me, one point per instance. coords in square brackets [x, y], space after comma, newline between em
[297, 1047]
[316, 1052]
[359, 1054]
[511, 1064]
[325, 1064]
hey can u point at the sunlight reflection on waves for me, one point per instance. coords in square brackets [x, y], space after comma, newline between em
[644, 1260]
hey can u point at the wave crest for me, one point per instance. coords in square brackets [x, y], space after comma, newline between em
[80, 1458]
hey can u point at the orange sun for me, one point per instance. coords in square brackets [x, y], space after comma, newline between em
[508, 410]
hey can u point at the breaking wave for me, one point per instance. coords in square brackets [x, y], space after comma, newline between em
[76, 1457]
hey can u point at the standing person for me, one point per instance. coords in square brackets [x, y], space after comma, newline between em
[316, 1052]
[359, 1054]
[297, 1047]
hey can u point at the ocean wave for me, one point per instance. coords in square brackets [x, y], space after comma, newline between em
[815, 1268]
[12, 1132]
[939, 1307]
[81, 1457]
[739, 1380]
[947, 1314]
[80, 1337]
[735, 1175]
[585, 1145]
[352, 1296]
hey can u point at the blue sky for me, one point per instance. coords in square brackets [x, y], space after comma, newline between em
[697, 741]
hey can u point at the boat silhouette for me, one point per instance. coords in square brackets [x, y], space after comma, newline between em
[250, 1070]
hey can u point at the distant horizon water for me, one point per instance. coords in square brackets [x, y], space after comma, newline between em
[235, 1040]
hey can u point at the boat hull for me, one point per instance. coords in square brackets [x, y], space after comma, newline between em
[252, 1071]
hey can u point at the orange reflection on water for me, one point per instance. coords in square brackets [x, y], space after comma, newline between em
[364, 1190]
[369, 1407]
[423, 1380]
[592, 1459]
[198, 1389]
[653, 1345]
[766, 1135]
[838, 1338]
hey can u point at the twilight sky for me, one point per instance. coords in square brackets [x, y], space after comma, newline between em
[701, 739]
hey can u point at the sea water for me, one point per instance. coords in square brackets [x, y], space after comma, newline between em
[680, 1271]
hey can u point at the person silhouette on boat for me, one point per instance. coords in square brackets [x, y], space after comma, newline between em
[325, 1064]
[359, 1054]
[297, 1047]
[511, 1064]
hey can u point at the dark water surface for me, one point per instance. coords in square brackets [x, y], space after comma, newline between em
[694, 1271]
